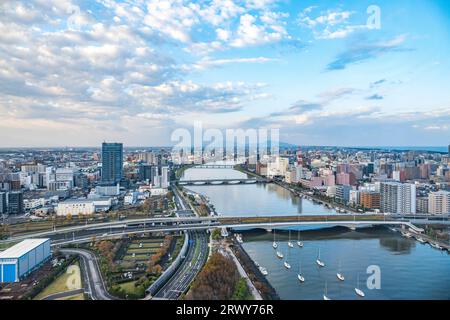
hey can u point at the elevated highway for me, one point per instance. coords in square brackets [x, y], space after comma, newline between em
[150, 225]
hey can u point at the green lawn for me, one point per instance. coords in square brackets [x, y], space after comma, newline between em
[128, 287]
[65, 282]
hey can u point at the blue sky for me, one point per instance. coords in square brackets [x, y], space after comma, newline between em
[79, 72]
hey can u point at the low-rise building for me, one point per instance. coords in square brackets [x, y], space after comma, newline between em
[21, 259]
[75, 207]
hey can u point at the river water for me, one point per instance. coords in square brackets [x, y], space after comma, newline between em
[408, 269]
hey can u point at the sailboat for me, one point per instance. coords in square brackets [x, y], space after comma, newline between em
[280, 255]
[319, 262]
[358, 291]
[290, 245]
[299, 275]
[420, 239]
[286, 263]
[274, 244]
[299, 243]
[339, 275]
[325, 295]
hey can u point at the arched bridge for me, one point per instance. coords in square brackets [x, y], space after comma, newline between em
[220, 181]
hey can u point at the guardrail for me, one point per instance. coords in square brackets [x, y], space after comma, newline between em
[168, 273]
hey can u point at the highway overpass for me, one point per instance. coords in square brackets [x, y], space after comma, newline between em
[138, 226]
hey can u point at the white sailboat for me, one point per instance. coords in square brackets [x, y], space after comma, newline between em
[290, 245]
[358, 291]
[286, 263]
[263, 271]
[435, 245]
[274, 244]
[339, 275]
[299, 275]
[420, 239]
[299, 243]
[325, 295]
[280, 255]
[319, 262]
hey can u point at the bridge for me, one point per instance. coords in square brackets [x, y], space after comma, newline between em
[214, 166]
[84, 233]
[220, 181]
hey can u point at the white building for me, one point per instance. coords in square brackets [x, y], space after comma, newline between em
[439, 202]
[75, 207]
[354, 197]
[164, 177]
[130, 198]
[331, 191]
[277, 167]
[33, 203]
[108, 191]
[398, 197]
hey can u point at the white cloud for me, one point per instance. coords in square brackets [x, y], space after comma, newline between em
[331, 24]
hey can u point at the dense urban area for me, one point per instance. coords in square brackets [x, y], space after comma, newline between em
[63, 209]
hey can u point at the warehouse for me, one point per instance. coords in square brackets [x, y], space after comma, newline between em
[21, 259]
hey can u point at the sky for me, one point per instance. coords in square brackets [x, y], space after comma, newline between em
[347, 73]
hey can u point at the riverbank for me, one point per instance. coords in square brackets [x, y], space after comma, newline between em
[303, 193]
[258, 280]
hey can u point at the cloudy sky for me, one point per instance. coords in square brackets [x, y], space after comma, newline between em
[75, 73]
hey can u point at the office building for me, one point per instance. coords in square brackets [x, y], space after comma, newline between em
[15, 202]
[112, 162]
[145, 172]
[3, 203]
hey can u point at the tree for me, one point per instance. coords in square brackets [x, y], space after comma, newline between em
[217, 280]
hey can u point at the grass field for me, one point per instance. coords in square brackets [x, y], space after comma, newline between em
[128, 287]
[70, 280]
[74, 297]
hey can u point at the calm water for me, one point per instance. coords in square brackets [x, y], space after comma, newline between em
[409, 270]
[251, 199]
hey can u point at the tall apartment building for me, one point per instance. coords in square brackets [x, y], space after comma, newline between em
[397, 197]
[439, 202]
[112, 162]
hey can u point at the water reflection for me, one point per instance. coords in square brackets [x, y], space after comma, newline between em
[251, 199]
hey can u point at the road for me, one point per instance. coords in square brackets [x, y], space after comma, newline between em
[94, 284]
[60, 295]
[196, 257]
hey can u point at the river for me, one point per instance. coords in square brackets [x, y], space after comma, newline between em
[408, 269]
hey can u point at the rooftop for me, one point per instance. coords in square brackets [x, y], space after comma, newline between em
[21, 248]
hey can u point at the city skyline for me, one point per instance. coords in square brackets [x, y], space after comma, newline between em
[133, 72]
